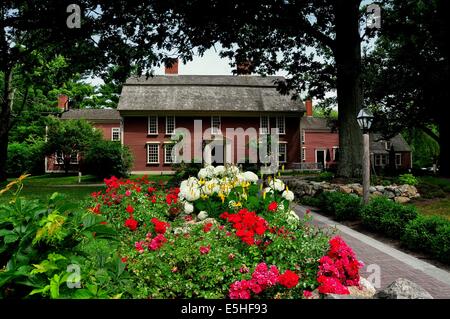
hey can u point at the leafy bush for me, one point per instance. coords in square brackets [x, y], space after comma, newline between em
[324, 176]
[430, 234]
[409, 179]
[38, 241]
[429, 191]
[342, 206]
[25, 158]
[384, 215]
[108, 158]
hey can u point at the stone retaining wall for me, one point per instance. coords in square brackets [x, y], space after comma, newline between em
[398, 193]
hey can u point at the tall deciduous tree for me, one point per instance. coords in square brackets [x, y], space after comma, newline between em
[317, 41]
[92, 35]
[70, 137]
[406, 76]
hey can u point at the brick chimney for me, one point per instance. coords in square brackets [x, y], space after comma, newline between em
[172, 70]
[309, 108]
[63, 102]
[244, 68]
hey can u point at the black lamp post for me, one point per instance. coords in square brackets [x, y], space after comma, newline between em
[365, 119]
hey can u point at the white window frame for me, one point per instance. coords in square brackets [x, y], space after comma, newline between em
[303, 154]
[398, 155]
[262, 129]
[57, 161]
[303, 137]
[387, 145]
[117, 131]
[215, 130]
[172, 160]
[174, 125]
[61, 162]
[285, 151]
[148, 152]
[156, 124]
[335, 149]
[381, 159]
[283, 122]
[73, 162]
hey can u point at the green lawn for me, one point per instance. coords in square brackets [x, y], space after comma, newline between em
[435, 196]
[42, 187]
[436, 206]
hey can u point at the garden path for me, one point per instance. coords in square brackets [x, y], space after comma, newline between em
[393, 264]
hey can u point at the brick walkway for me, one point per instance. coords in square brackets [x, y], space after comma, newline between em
[393, 263]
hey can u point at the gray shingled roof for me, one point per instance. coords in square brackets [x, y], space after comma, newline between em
[315, 123]
[92, 114]
[205, 93]
[378, 146]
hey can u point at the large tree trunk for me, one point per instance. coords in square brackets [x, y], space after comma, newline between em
[349, 92]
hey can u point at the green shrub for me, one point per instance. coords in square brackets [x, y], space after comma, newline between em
[25, 158]
[428, 191]
[107, 158]
[342, 206]
[409, 179]
[324, 176]
[430, 234]
[386, 216]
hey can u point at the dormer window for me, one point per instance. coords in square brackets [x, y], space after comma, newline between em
[387, 145]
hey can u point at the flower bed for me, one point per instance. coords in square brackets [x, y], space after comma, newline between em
[219, 235]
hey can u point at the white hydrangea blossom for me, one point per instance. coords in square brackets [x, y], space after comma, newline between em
[202, 215]
[219, 170]
[288, 195]
[188, 208]
[250, 177]
[277, 184]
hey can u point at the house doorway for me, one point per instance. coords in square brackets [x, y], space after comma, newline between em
[320, 158]
[217, 151]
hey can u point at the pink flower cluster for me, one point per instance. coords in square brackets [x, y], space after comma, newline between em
[151, 243]
[338, 269]
[262, 279]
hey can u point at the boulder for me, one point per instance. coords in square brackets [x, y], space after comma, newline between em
[403, 289]
[379, 188]
[372, 189]
[345, 189]
[388, 194]
[401, 199]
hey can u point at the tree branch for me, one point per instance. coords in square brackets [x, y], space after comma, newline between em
[430, 133]
[318, 35]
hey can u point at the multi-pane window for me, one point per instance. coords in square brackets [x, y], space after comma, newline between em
[60, 158]
[303, 136]
[381, 159]
[281, 125]
[169, 158]
[215, 124]
[170, 124]
[264, 125]
[74, 158]
[282, 152]
[152, 125]
[303, 154]
[153, 153]
[335, 152]
[115, 135]
[398, 159]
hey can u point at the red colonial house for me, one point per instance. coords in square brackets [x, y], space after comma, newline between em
[106, 120]
[320, 145]
[229, 108]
